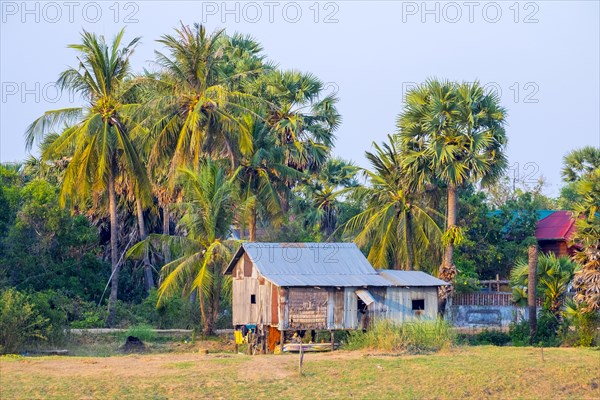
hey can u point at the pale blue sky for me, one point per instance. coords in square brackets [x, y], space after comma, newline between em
[542, 55]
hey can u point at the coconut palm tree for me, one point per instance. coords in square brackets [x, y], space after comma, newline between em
[97, 135]
[262, 174]
[198, 98]
[321, 194]
[453, 133]
[397, 223]
[302, 118]
[202, 249]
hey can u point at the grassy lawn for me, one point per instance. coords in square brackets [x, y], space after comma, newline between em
[464, 372]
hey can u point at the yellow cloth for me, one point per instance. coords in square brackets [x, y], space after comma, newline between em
[239, 339]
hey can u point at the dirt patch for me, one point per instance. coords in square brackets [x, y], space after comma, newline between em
[267, 367]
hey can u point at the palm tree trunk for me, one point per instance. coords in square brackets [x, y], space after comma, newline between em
[216, 300]
[448, 270]
[203, 314]
[252, 223]
[531, 289]
[114, 256]
[410, 251]
[148, 278]
[166, 231]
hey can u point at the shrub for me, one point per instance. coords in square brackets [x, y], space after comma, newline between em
[174, 312]
[412, 337]
[95, 318]
[496, 338]
[585, 325]
[21, 323]
[547, 335]
[144, 332]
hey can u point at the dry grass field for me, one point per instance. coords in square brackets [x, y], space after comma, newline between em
[463, 372]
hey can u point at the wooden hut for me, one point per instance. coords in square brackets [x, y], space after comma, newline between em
[279, 287]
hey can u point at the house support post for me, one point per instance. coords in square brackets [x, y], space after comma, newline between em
[331, 333]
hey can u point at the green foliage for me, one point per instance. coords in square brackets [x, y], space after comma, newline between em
[411, 337]
[585, 324]
[47, 248]
[144, 332]
[467, 278]
[493, 337]
[21, 322]
[173, 313]
[95, 318]
[399, 225]
[493, 238]
[554, 275]
[547, 334]
[520, 217]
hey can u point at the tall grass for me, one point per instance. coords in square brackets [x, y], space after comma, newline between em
[411, 337]
[144, 332]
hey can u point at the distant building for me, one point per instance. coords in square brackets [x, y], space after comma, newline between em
[279, 287]
[553, 232]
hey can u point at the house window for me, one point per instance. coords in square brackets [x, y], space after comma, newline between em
[252, 299]
[418, 305]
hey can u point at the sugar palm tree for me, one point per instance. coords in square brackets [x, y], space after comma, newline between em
[97, 135]
[453, 133]
[208, 207]
[587, 238]
[397, 223]
[554, 275]
[580, 162]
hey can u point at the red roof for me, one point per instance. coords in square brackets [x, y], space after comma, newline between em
[557, 226]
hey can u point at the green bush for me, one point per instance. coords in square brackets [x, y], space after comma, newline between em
[496, 338]
[143, 332]
[586, 327]
[21, 323]
[91, 319]
[174, 313]
[547, 334]
[412, 337]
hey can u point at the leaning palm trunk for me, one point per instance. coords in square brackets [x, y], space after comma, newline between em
[410, 251]
[531, 289]
[166, 231]
[148, 277]
[114, 256]
[252, 223]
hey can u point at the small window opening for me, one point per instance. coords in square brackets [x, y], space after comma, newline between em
[252, 299]
[418, 305]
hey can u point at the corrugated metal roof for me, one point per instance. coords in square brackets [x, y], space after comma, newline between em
[311, 264]
[411, 278]
[324, 264]
[558, 225]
